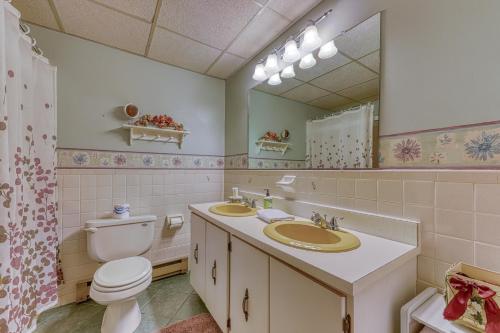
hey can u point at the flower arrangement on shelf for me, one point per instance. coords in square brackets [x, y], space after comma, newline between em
[275, 137]
[160, 121]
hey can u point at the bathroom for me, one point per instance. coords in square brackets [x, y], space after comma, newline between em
[248, 165]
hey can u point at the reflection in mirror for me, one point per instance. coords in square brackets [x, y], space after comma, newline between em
[326, 116]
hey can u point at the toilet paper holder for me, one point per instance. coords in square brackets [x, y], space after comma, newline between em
[175, 221]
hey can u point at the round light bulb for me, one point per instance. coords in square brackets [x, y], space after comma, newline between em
[291, 53]
[311, 40]
[328, 50]
[271, 64]
[307, 61]
[288, 72]
[259, 74]
[274, 80]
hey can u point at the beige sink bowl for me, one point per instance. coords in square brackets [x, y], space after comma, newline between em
[233, 209]
[305, 235]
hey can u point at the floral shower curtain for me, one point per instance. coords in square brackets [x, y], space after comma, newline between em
[28, 224]
[341, 141]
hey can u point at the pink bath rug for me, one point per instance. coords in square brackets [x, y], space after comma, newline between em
[203, 323]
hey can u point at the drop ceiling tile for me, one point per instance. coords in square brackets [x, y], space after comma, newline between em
[38, 12]
[362, 91]
[370, 99]
[362, 39]
[305, 93]
[177, 50]
[95, 22]
[261, 31]
[322, 67]
[226, 65]
[286, 84]
[372, 61]
[292, 8]
[330, 101]
[213, 22]
[144, 9]
[344, 77]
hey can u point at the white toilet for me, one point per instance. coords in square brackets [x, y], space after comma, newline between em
[118, 242]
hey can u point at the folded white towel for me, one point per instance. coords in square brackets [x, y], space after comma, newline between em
[274, 215]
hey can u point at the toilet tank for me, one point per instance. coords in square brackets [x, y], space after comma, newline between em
[110, 239]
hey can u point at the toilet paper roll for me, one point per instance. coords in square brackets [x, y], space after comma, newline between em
[175, 221]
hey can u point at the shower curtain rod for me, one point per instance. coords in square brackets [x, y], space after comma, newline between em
[338, 113]
[25, 29]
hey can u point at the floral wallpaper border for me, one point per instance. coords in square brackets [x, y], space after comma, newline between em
[84, 158]
[468, 146]
[239, 161]
[264, 163]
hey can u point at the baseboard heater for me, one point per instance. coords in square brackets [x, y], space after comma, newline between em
[160, 271]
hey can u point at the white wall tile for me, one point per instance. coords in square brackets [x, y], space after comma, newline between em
[450, 249]
[455, 223]
[487, 256]
[488, 228]
[366, 189]
[390, 190]
[457, 196]
[419, 192]
[487, 198]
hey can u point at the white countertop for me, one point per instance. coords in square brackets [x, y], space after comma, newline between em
[348, 272]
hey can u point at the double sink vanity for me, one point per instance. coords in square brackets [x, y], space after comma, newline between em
[299, 276]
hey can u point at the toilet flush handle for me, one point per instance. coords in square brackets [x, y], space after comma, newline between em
[92, 229]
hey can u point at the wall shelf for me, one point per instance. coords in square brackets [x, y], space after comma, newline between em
[155, 134]
[272, 146]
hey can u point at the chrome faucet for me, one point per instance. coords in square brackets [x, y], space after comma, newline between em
[318, 220]
[250, 203]
[323, 222]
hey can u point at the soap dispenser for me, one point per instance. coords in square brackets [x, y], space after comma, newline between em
[268, 200]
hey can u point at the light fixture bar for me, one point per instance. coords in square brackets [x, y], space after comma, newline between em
[297, 37]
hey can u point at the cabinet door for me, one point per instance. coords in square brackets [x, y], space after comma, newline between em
[197, 255]
[249, 295]
[216, 275]
[298, 304]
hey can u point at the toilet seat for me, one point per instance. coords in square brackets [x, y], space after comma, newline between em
[122, 272]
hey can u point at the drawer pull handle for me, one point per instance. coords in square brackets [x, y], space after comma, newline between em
[214, 272]
[195, 255]
[244, 305]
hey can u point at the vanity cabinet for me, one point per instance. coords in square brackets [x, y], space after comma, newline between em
[299, 304]
[249, 291]
[197, 255]
[216, 274]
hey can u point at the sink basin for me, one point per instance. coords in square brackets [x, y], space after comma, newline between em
[233, 209]
[305, 235]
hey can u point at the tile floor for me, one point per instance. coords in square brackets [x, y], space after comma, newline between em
[165, 302]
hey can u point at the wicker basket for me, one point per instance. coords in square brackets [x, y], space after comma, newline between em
[462, 278]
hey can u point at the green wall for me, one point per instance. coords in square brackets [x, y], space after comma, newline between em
[95, 80]
[274, 113]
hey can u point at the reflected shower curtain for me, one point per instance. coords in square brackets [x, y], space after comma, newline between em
[341, 141]
[28, 224]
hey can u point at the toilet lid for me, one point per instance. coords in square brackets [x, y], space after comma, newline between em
[122, 272]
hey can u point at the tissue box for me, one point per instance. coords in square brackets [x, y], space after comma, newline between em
[473, 297]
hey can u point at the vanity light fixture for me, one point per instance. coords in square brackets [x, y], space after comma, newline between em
[307, 61]
[274, 80]
[288, 72]
[259, 73]
[291, 53]
[271, 66]
[328, 50]
[283, 56]
[311, 39]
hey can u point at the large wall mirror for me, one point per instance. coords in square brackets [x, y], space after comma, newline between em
[326, 116]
